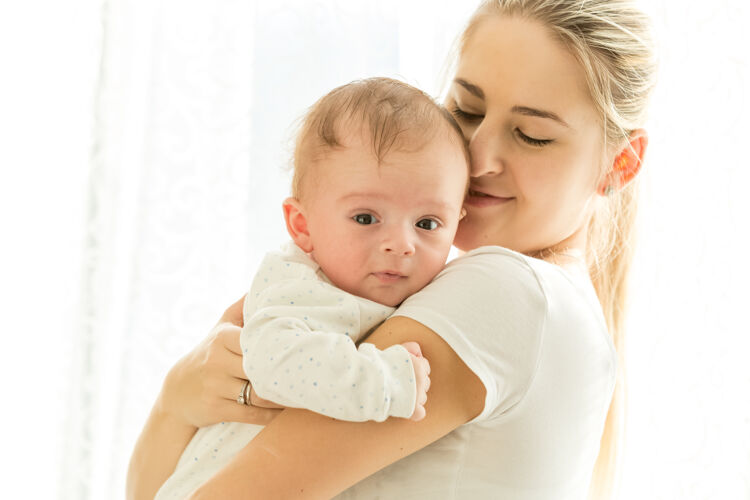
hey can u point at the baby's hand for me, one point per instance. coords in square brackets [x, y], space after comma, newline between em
[422, 376]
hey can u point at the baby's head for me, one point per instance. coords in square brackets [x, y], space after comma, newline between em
[380, 173]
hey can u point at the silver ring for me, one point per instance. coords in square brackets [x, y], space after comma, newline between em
[247, 392]
[241, 399]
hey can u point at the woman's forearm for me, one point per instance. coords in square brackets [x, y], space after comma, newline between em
[189, 399]
[156, 453]
[307, 455]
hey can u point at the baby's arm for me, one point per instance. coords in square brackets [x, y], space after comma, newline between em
[298, 352]
[422, 373]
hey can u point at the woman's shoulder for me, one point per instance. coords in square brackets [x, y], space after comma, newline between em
[567, 293]
[495, 257]
[490, 289]
[489, 306]
[492, 273]
[510, 272]
[490, 282]
[497, 308]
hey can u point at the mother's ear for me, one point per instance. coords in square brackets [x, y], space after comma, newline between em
[627, 163]
[296, 224]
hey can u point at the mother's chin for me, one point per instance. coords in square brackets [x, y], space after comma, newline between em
[481, 229]
[469, 236]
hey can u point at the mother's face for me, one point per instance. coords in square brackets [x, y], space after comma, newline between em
[535, 138]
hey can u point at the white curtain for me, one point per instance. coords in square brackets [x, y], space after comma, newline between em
[145, 170]
[194, 111]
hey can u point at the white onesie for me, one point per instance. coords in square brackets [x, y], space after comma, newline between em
[299, 350]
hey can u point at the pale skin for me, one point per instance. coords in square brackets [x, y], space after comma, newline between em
[541, 197]
[380, 229]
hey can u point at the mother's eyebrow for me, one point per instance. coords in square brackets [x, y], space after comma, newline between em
[470, 87]
[524, 110]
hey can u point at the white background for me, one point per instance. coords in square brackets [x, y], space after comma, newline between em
[142, 146]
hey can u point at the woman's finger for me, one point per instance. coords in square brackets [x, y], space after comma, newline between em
[234, 313]
[234, 388]
[234, 366]
[238, 386]
[229, 336]
[231, 388]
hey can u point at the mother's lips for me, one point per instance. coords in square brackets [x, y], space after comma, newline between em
[477, 192]
[481, 199]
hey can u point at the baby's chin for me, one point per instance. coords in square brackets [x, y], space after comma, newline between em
[390, 297]
[390, 300]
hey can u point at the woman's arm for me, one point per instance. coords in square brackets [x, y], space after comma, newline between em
[199, 390]
[156, 454]
[306, 455]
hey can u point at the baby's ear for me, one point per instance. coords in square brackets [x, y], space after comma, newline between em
[296, 224]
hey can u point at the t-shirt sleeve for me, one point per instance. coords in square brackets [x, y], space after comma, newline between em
[488, 305]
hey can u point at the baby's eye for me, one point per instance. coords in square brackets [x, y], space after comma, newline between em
[428, 224]
[365, 219]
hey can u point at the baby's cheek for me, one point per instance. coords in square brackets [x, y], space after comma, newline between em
[343, 272]
[430, 269]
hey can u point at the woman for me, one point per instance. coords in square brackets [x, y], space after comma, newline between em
[551, 96]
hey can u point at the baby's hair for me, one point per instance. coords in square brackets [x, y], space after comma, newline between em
[395, 116]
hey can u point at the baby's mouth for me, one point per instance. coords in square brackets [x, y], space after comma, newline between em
[388, 276]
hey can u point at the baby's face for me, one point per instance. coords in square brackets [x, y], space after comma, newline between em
[382, 232]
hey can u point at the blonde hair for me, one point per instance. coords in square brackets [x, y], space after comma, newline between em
[611, 41]
[394, 114]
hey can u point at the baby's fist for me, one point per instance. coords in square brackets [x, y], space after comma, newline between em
[422, 378]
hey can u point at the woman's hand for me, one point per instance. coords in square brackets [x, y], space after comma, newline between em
[202, 388]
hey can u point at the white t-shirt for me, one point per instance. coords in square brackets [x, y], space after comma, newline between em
[535, 336]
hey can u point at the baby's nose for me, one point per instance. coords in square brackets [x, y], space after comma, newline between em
[398, 242]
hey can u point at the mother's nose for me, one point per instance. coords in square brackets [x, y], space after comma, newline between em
[486, 151]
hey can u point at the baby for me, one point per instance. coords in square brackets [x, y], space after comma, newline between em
[380, 173]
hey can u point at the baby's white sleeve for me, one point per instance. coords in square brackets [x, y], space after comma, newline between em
[299, 351]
